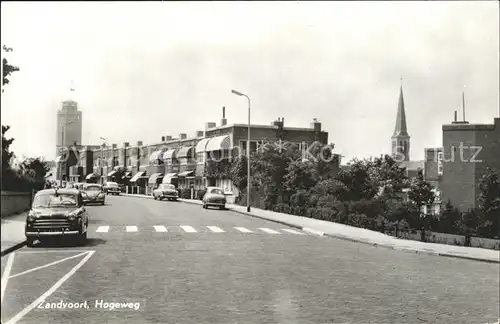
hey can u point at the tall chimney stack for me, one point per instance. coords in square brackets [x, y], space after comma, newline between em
[223, 121]
[455, 116]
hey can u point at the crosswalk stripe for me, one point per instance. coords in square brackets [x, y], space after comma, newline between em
[270, 231]
[244, 230]
[160, 228]
[215, 229]
[292, 231]
[188, 229]
[102, 229]
[131, 228]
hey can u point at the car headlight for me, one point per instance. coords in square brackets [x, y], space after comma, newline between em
[32, 215]
[72, 216]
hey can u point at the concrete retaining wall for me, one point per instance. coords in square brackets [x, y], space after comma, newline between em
[452, 239]
[14, 202]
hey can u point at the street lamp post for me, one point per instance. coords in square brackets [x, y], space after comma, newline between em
[248, 148]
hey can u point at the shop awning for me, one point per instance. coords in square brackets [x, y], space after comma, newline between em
[168, 177]
[156, 155]
[184, 152]
[202, 145]
[219, 143]
[91, 175]
[137, 176]
[169, 154]
[112, 173]
[154, 177]
[185, 174]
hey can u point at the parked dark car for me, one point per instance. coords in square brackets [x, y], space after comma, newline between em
[93, 193]
[112, 188]
[57, 213]
[165, 190]
[214, 197]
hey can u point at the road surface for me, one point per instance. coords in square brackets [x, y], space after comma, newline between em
[153, 261]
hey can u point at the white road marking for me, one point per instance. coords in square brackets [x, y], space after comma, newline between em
[215, 229]
[131, 228]
[6, 273]
[50, 251]
[47, 265]
[159, 228]
[313, 231]
[270, 231]
[244, 230]
[188, 229]
[102, 229]
[49, 292]
[293, 231]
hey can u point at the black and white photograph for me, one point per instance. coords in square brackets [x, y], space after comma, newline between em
[250, 162]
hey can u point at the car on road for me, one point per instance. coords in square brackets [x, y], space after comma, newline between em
[112, 188]
[57, 212]
[166, 190]
[93, 193]
[214, 197]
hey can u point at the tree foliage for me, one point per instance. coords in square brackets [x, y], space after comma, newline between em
[421, 192]
[6, 153]
[8, 69]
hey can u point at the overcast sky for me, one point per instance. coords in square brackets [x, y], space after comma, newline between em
[143, 70]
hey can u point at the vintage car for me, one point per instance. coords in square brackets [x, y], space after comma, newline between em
[57, 213]
[93, 193]
[112, 188]
[166, 190]
[214, 197]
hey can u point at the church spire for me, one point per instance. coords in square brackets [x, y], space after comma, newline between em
[400, 129]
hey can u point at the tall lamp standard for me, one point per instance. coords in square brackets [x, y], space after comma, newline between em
[248, 148]
[63, 127]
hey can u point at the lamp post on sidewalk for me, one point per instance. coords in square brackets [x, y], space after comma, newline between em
[248, 148]
[63, 128]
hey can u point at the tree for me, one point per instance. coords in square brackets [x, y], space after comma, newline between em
[6, 153]
[421, 192]
[449, 219]
[489, 203]
[8, 69]
[35, 168]
[387, 176]
[356, 178]
[238, 172]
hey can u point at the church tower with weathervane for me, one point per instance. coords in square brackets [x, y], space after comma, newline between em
[400, 138]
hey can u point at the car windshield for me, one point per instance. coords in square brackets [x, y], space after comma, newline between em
[93, 188]
[216, 191]
[52, 200]
[112, 184]
[167, 186]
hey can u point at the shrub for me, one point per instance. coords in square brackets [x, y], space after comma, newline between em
[200, 193]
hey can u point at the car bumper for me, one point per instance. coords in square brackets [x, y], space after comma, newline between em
[168, 196]
[50, 233]
[212, 203]
[94, 200]
[113, 191]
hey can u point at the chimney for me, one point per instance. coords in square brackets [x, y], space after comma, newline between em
[200, 133]
[223, 121]
[182, 136]
[316, 125]
[126, 144]
[163, 138]
[114, 146]
[168, 138]
[139, 143]
[456, 116]
[209, 125]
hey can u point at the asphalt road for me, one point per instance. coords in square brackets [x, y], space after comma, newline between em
[198, 274]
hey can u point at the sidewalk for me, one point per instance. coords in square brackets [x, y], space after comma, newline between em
[13, 233]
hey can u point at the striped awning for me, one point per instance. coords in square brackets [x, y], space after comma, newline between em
[169, 154]
[202, 145]
[184, 152]
[168, 177]
[137, 176]
[219, 143]
[185, 174]
[154, 177]
[127, 175]
[112, 173]
[156, 155]
[91, 175]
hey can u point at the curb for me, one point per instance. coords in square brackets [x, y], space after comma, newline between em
[13, 248]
